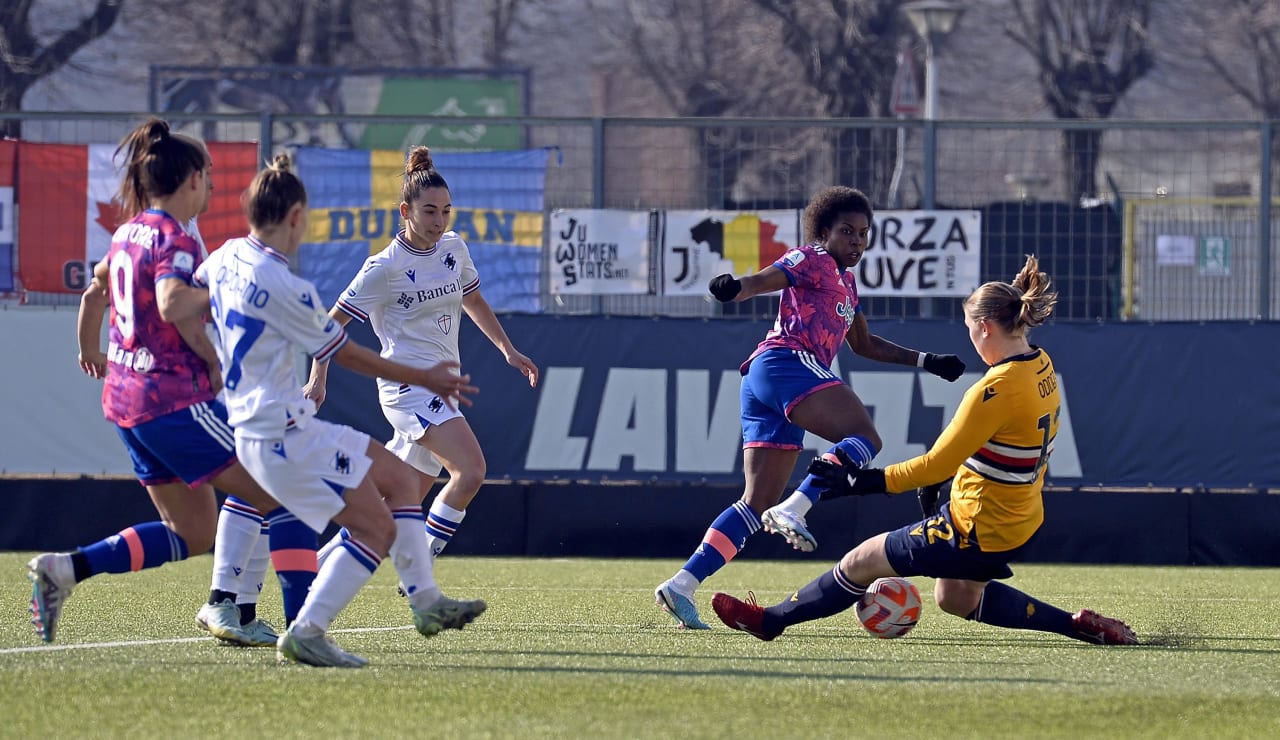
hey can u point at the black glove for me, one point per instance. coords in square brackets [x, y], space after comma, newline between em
[947, 367]
[725, 287]
[929, 498]
[844, 478]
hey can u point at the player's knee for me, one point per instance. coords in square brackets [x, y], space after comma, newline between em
[199, 539]
[471, 478]
[955, 600]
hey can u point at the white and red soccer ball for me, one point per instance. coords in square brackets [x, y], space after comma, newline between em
[890, 608]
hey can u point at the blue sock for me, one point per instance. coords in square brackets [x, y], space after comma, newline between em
[829, 593]
[1005, 606]
[293, 555]
[138, 547]
[859, 449]
[724, 539]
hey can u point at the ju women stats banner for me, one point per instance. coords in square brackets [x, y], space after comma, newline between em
[355, 211]
[66, 193]
[595, 252]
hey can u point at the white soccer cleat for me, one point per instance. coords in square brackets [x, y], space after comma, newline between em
[52, 579]
[791, 526]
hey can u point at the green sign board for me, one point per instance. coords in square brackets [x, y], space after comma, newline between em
[436, 98]
[1215, 255]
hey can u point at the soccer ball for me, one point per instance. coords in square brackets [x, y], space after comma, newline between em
[890, 607]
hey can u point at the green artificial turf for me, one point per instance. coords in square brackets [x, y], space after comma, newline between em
[576, 649]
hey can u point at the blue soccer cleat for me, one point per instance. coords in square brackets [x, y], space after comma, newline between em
[680, 607]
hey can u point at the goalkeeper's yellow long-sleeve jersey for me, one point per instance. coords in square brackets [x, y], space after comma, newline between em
[996, 445]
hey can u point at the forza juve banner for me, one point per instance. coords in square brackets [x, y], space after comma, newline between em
[922, 253]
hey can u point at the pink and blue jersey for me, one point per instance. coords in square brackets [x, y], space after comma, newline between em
[816, 310]
[152, 370]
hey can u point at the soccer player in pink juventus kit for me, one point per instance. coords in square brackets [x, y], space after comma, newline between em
[160, 384]
[788, 387]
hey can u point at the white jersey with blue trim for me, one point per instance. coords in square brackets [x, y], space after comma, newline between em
[260, 311]
[413, 300]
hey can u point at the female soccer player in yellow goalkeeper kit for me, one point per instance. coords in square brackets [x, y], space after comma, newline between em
[996, 446]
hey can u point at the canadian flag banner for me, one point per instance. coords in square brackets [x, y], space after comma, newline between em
[8, 160]
[67, 213]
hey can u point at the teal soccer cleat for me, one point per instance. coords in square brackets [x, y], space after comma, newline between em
[680, 607]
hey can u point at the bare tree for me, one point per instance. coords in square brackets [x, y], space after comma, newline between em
[847, 52]
[1088, 53]
[702, 61]
[24, 58]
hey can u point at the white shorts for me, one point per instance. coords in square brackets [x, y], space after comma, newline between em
[411, 413]
[309, 469]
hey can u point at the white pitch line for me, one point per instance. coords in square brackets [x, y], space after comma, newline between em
[180, 640]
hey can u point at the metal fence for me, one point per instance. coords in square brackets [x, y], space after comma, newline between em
[1174, 230]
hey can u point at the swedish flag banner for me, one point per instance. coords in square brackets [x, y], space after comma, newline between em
[497, 209]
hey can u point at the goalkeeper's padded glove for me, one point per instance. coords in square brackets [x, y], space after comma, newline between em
[725, 287]
[929, 497]
[947, 367]
[843, 477]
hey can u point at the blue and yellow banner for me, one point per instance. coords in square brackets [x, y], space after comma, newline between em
[497, 209]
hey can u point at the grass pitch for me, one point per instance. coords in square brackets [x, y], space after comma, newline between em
[576, 649]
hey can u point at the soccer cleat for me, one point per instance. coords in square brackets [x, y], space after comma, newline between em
[680, 607]
[320, 651]
[1095, 628]
[52, 579]
[791, 526]
[446, 614]
[260, 633]
[222, 620]
[746, 616]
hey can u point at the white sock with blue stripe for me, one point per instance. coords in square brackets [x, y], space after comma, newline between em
[442, 524]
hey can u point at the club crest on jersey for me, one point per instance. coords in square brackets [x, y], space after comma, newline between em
[449, 261]
[445, 323]
[435, 405]
[342, 463]
[844, 309]
[793, 258]
[412, 275]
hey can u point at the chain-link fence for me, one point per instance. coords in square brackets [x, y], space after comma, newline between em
[1135, 221]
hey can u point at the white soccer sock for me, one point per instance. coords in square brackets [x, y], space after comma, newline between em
[344, 573]
[327, 549]
[685, 582]
[797, 503]
[412, 558]
[442, 523]
[251, 578]
[239, 528]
